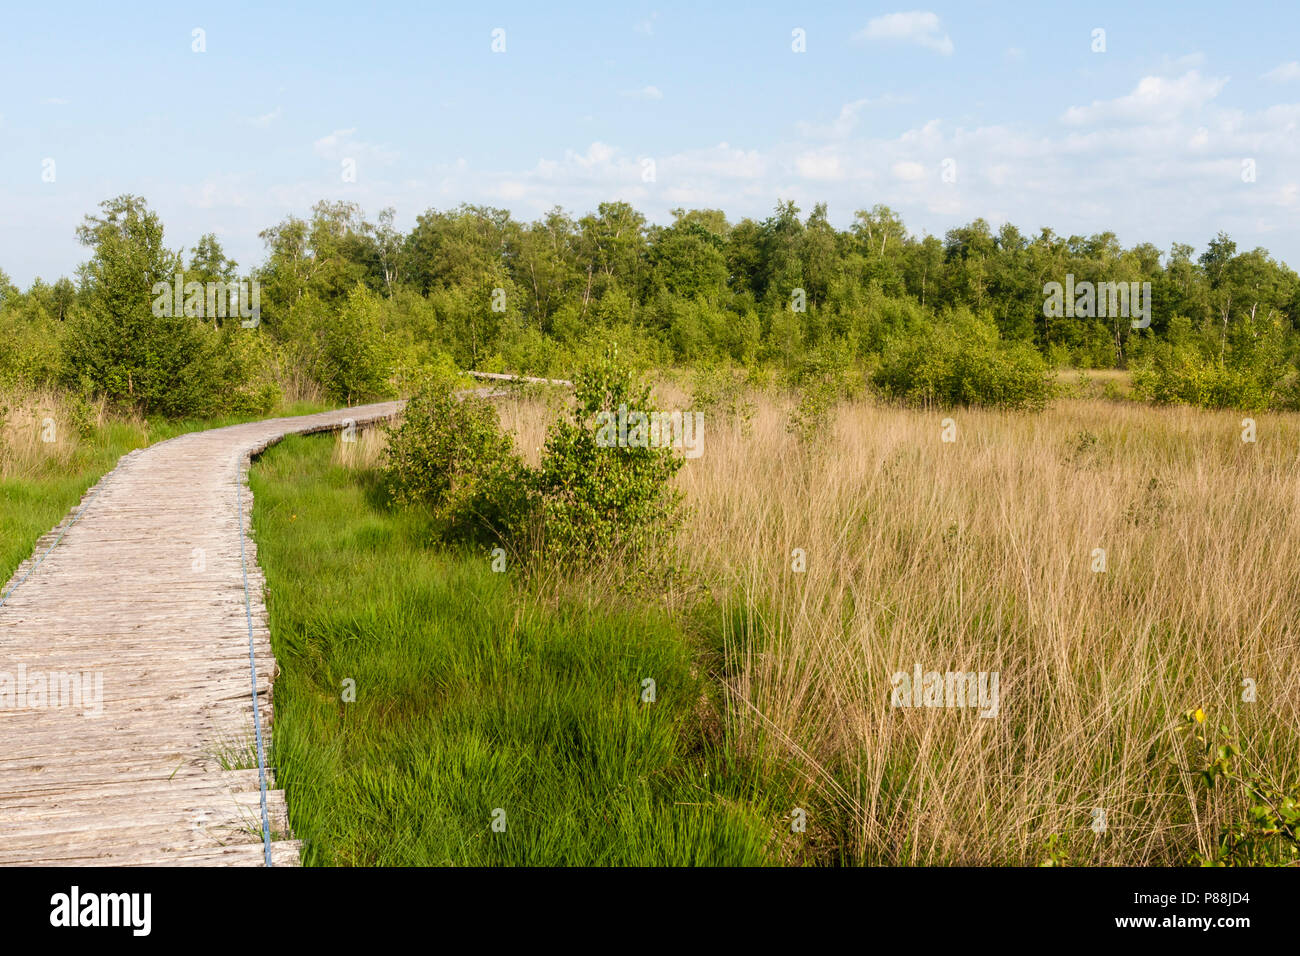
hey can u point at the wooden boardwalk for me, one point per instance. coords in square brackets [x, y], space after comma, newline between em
[145, 592]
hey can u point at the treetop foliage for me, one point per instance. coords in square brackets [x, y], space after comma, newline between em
[358, 307]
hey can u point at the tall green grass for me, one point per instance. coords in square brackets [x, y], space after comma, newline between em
[475, 696]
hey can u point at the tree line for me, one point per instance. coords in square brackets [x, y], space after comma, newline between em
[358, 309]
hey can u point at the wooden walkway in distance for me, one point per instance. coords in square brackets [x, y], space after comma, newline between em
[146, 591]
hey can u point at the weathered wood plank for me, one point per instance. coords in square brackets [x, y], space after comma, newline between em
[145, 591]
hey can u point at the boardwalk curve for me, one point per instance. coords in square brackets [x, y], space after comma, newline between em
[128, 730]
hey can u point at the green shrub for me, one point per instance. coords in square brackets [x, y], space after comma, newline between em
[433, 369]
[524, 348]
[721, 392]
[827, 375]
[299, 334]
[810, 421]
[1268, 834]
[589, 500]
[250, 371]
[962, 361]
[450, 455]
[30, 350]
[173, 365]
[1248, 364]
[598, 499]
[1181, 375]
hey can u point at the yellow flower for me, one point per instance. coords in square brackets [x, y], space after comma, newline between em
[1199, 715]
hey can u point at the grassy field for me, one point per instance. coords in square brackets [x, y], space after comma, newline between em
[41, 480]
[986, 554]
[478, 700]
[1115, 565]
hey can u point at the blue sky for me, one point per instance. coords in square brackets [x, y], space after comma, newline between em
[1147, 138]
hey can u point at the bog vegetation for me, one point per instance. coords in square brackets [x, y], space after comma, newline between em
[827, 539]
[802, 578]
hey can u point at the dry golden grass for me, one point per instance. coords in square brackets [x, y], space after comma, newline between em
[977, 555]
[363, 452]
[38, 433]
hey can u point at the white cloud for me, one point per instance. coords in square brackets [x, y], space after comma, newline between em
[721, 160]
[918, 26]
[327, 146]
[1175, 64]
[218, 193]
[266, 119]
[598, 154]
[342, 144]
[1284, 72]
[1156, 99]
[819, 165]
[512, 189]
[908, 171]
[1000, 174]
[850, 114]
[645, 93]
[55, 101]
[1111, 172]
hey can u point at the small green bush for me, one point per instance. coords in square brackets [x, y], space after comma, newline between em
[248, 358]
[810, 421]
[1268, 834]
[589, 500]
[599, 499]
[721, 392]
[134, 354]
[1181, 375]
[450, 456]
[962, 361]
[30, 350]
